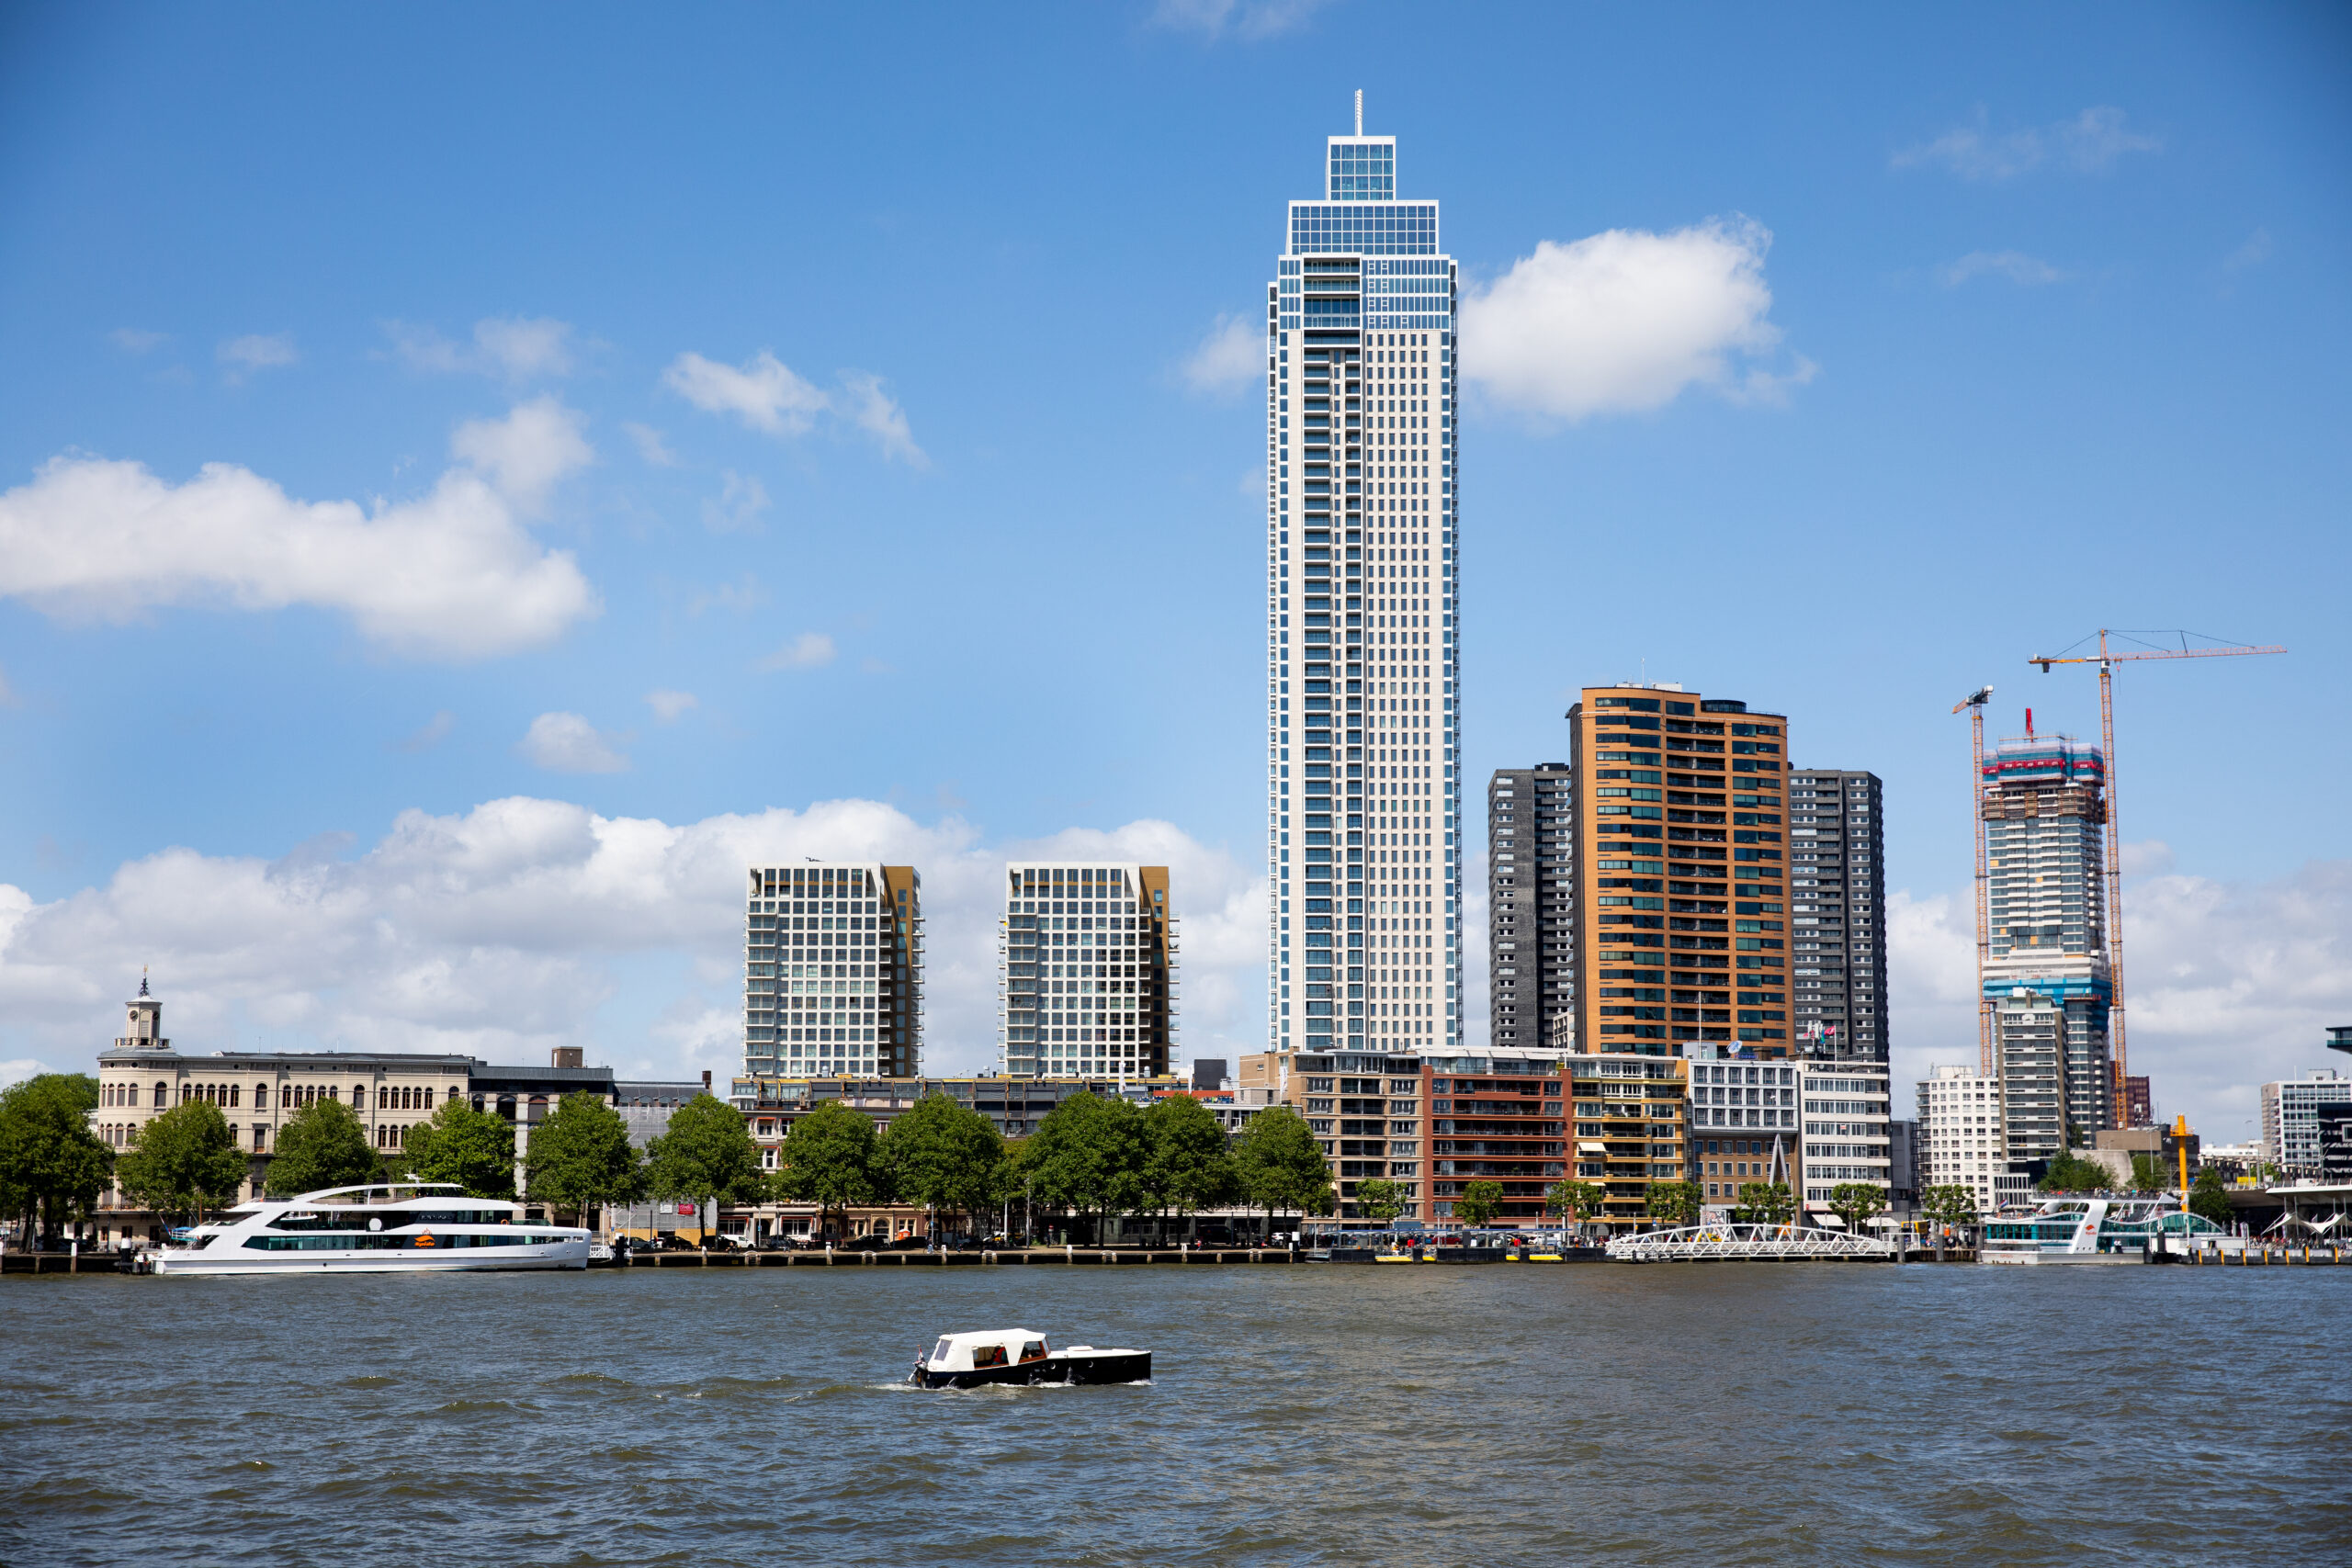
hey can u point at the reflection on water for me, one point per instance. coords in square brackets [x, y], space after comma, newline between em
[1731, 1414]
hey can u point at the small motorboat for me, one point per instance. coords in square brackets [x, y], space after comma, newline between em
[1021, 1356]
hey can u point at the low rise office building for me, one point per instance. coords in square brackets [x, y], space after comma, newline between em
[2291, 1112]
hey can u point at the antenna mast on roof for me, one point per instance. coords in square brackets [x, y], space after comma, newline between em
[1359, 111]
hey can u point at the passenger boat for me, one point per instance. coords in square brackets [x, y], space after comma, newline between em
[2092, 1230]
[411, 1228]
[1021, 1356]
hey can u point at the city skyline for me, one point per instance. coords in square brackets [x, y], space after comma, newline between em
[2033, 304]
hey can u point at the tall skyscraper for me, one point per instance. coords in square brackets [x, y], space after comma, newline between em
[1837, 913]
[1531, 906]
[1363, 553]
[1681, 924]
[833, 971]
[2044, 801]
[1086, 971]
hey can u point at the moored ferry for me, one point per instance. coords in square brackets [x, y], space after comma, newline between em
[2092, 1230]
[410, 1228]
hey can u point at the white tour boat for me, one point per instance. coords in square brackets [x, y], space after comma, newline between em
[1021, 1356]
[408, 1227]
[2092, 1230]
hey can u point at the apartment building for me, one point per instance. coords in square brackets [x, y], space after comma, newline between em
[833, 969]
[1530, 905]
[2292, 1137]
[1846, 1131]
[1963, 1141]
[1838, 913]
[1634, 1118]
[1086, 965]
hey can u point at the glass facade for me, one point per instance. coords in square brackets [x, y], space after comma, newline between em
[831, 971]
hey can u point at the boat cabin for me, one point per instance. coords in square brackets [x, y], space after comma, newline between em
[982, 1352]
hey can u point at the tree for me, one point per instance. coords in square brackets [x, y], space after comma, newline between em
[1380, 1199]
[473, 1148]
[1574, 1199]
[1281, 1164]
[2208, 1197]
[705, 1155]
[1674, 1203]
[1087, 1157]
[323, 1144]
[946, 1156]
[1188, 1160]
[581, 1158]
[2149, 1175]
[1479, 1203]
[183, 1160]
[2070, 1172]
[1856, 1202]
[1765, 1204]
[53, 1168]
[1950, 1205]
[830, 1161]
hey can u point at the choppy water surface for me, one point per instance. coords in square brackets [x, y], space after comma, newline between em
[1317, 1414]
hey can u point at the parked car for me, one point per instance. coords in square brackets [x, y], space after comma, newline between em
[862, 1244]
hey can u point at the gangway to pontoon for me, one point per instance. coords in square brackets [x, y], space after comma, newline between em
[1729, 1242]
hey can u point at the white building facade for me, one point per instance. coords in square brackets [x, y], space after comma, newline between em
[1087, 963]
[1848, 1129]
[1963, 1141]
[2290, 1130]
[1363, 619]
[832, 970]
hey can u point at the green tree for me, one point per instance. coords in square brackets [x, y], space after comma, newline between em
[323, 1144]
[705, 1155]
[1856, 1202]
[2069, 1173]
[2149, 1175]
[2208, 1197]
[1765, 1204]
[830, 1159]
[1087, 1157]
[183, 1161]
[473, 1148]
[53, 1168]
[1479, 1203]
[1281, 1164]
[1674, 1203]
[1578, 1201]
[1949, 1205]
[581, 1158]
[1380, 1199]
[946, 1156]
[1188, 1160]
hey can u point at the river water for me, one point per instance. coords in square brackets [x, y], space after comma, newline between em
[1504, 1415]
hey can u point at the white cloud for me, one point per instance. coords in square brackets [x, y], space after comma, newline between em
[506, 930]
[130, 339]
[764, 394]
[807, 652]
[650, 447]
[736, 508]
[1230, 359]
[566, 744]
[513, 348]
[527, 452]
[434, 731]
[1244, 18]
[1625, 320]
[448, 575]
[255, 351]
[2023, 270]
[2228, 985]
[2090, 143]
[875, 412]
[668, 706]
[742, 596]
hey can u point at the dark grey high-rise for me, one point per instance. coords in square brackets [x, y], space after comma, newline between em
[1531, 893]
[1837, 913]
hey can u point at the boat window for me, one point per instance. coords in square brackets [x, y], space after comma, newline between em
[1033, 1350]
[988, 1355]
[939, 1352]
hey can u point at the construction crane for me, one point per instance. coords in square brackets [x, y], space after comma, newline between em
[1975, 703]
[2107, 657]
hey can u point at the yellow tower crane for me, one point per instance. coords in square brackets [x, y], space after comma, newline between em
[2107, 657]
[1975, 703]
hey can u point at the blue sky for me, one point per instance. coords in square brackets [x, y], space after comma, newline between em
[2041, 329]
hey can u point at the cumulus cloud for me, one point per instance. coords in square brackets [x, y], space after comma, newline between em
[1626, 320]
[503, 930]
[2229, 985]
[1230, 359]
[448, 575]
[2090, 143]
[736, 508]
[525, 455]
[2023, 270]
[242, 356]
[511, 348]
[566, 744]
[807, 652]
[1249, 19]
[769, 396]
[668, 706]
[650, 447]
